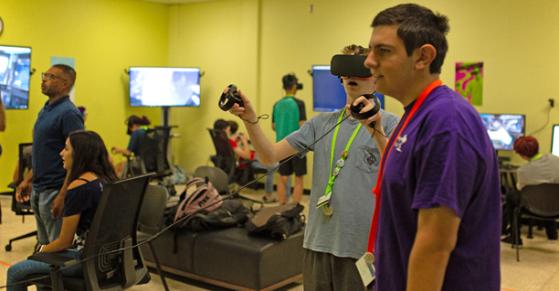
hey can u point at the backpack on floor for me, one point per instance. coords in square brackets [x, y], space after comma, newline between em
[277, 222]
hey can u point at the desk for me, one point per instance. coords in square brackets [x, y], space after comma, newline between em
[508, 178]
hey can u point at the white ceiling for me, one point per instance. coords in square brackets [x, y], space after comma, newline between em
[175, 1]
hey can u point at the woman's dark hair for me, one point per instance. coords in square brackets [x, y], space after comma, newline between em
[219, 127]
[90, 155]
[233, 126]
[136, 120]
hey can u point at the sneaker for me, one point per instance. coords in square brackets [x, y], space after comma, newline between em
[510, 240]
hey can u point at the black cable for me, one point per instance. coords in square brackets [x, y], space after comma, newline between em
[546, 122]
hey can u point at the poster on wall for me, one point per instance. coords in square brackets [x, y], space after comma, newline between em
[469, 81]
[65, 61]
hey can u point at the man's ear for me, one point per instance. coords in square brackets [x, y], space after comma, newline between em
[425, 55]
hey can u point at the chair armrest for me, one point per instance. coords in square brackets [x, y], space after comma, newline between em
[53, 259]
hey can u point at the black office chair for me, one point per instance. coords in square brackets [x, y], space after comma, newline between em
[110, 262]
[153, 155]
[538, 202]
[224, 157]
[240, 172]
[21, 209]
[154, 151]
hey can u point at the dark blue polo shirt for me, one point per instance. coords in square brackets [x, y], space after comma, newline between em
[54, 123]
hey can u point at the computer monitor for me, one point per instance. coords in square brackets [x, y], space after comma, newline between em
[555, 140]
[15, 72]
[328, 92]
[504, 129]
[164, 87]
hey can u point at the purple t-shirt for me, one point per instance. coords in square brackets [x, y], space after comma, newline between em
[443, 158]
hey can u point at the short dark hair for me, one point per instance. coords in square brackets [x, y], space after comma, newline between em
[90, 155]
[526, 146]
[233, 126]
[221, 124]
[137, 120]
[288, 81]
[68, 71]
[417, 26]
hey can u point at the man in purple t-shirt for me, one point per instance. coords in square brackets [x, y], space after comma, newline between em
[440, 213]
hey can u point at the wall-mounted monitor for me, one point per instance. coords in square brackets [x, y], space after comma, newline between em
[555, 140]
[15, 72]
[328, 92]
[164, 86]
[504, 129]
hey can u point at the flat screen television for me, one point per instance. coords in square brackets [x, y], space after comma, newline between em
[328, 92]
[555, 140]
[15, 72]
[164, 86]
[504, 129]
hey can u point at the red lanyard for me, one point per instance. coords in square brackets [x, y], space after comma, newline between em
[386, 154]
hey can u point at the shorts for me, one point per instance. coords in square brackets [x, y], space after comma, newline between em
[296, 165]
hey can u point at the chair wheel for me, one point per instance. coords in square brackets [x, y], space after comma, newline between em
[8, 248]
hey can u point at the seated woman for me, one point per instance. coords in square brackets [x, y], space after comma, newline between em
[245, 156]
[87, 165]
[540, 169]
[136, 128]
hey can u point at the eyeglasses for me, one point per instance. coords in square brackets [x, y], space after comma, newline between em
[49, 76]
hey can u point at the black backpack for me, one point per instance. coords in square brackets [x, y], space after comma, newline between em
[277, 222]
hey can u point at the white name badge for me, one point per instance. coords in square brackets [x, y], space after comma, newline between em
[366, 268]
[324, 199]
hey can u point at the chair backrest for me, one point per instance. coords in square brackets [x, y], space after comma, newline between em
[224, 155]
[215, 175]
[541, 200]
[24, 165]
[153, 150]
[114, 228]
[153, 207]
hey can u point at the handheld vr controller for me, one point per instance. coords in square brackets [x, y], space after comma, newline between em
[356, 109]
[229, 98]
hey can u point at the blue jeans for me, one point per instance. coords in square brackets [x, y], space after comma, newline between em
[269, 185]
[48, 227]
[23, 269]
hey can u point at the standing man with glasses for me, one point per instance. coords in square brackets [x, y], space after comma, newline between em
[58, 118]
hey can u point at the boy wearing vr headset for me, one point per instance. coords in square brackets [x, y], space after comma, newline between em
[345, 166]
[288, 115]
[438, 185]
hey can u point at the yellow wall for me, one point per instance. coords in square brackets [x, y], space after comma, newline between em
[518, 44]
[104, 37]
[252, 43]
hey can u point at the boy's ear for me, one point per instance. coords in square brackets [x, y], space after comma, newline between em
[425, 56]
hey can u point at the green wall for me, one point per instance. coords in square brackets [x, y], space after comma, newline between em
[104, 37]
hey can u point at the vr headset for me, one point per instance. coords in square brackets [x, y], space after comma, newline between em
[349, 66]
[353, 66]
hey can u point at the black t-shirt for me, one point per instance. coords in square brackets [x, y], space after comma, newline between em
[83, 200]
